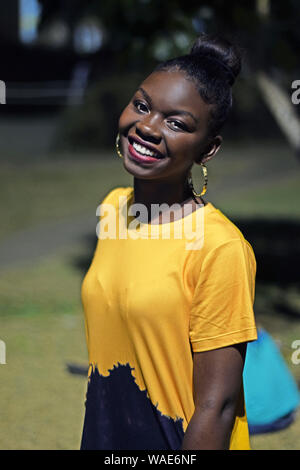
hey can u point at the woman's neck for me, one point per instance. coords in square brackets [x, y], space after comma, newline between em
[151, 193]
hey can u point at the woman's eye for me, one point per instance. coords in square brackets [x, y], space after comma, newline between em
[177, 125]
[141, 107]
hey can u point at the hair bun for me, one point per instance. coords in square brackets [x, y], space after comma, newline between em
[219, 50]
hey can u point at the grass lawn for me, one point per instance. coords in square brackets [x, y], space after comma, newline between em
[42, 404]
[41, 319]
[36, 193]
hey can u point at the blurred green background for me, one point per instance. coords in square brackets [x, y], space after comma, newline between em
[69, 68]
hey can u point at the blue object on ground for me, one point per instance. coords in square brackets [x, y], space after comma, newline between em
[271, 393]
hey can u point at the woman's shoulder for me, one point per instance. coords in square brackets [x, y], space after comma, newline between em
[114, 195]
[220, 229]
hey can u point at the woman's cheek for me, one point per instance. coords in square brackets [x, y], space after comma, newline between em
[127, 118]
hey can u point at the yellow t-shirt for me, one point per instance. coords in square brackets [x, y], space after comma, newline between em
[151, 298]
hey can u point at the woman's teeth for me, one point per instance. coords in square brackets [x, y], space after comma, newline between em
[143, 150]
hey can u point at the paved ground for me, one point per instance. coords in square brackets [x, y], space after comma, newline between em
[31, 244]
[30, 136]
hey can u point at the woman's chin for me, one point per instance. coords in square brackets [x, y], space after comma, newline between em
[142, 168]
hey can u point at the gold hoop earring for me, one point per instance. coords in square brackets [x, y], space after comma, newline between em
[204, 188]
[118, 146]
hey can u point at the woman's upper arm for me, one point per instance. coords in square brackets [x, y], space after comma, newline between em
[217, 376]
[217, 387]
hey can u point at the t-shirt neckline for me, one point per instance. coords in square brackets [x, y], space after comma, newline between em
[206, 207]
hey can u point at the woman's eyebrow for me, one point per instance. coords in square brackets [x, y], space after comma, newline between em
[146, 96]
[175, 111]
[186, 113]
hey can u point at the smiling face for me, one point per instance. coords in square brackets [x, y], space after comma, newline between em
[163, 129]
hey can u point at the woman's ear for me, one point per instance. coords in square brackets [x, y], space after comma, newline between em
[211, 149]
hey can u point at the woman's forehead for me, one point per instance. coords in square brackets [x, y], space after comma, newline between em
[172, 89]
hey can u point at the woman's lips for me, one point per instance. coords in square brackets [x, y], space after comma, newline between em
[139, 156]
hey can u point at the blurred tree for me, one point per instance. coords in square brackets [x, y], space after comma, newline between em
[138, 33]
[138, 28]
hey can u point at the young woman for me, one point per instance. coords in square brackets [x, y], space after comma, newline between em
[168, 317]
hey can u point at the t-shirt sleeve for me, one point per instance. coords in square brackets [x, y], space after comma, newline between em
[222, 307]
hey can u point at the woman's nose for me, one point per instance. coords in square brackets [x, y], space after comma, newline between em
[148, 129]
